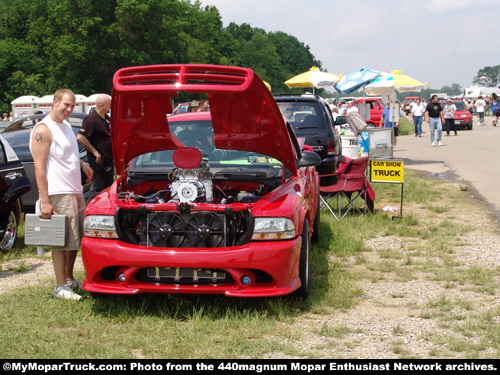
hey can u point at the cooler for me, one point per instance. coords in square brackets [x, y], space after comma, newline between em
[381, 142]
[350, 146]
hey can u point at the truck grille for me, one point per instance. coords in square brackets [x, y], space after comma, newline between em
[201, 229]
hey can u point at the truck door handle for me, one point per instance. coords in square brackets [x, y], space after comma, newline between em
[13, 175]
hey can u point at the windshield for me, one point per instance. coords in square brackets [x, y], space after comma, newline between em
[199, 134]
[302, 115]
[460, 106]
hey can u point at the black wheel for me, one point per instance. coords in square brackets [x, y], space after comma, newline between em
[305, 250]
[317, 223]
[8, 240]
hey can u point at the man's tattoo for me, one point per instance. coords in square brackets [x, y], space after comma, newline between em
[38, 136]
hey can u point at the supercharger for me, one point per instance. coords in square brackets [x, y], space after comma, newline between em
[192, 185]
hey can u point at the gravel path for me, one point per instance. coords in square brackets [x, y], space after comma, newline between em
[420, 317]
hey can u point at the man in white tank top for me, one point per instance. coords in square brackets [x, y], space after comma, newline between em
[57, 170]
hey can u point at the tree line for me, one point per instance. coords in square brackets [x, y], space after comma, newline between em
[80, 44]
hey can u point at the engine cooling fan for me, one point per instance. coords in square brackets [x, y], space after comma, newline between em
[166, 230]
[205, 230]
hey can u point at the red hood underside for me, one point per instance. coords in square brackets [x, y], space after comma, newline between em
[244, 113]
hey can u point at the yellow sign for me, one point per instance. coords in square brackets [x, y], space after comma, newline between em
[387, 171]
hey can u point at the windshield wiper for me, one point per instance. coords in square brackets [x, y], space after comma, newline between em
[306, 127]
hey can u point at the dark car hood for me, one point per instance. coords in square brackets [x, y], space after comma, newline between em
[244, 113]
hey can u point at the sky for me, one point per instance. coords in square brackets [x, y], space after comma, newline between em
[441, 41]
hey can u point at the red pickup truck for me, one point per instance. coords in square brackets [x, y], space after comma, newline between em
[407, 104]
[376, 109]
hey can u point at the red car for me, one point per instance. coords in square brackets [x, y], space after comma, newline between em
[220, 202]
[376, 109]
[463, 118]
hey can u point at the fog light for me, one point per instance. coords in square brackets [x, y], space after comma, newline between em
[246, 280]
[121, 277]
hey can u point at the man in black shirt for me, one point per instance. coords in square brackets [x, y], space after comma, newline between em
[434, 116]
[95, 136]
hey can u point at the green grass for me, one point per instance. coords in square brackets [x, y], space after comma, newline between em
[406, 127]
[33, 325]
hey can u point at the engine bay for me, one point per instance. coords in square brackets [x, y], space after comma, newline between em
[193, 206]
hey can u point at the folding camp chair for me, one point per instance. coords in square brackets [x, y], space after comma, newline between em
[351, 186]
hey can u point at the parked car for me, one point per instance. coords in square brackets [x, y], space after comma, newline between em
[18, 134]
[311, 119]
[13, 184]
[463, 117]
[376, 109]
[220, 202]
[181, 108]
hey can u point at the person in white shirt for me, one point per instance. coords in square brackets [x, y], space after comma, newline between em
[417, 111]
[351, 108]
[342, 109]
[57, 169]
[480, 108]
[449, 116]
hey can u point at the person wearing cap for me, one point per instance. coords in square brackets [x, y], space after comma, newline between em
[449, 116]
[193, 107]
[351, 108]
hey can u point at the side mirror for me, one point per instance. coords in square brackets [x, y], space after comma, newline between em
[308, 159]
[340, 120]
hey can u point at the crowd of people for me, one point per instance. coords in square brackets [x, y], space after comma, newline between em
[440, 117]
[437, 115]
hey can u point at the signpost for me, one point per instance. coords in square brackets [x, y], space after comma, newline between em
[388, 171]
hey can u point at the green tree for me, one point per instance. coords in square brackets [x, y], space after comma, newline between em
[488, 76]
[454, 89]
[80, 44]
[295, 57]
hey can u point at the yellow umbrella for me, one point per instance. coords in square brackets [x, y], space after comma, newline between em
[267, 85]
[312, 78]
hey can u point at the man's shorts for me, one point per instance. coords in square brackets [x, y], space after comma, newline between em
[73, 206]
[396, 131]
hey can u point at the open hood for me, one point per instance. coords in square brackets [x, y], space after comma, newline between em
[244, 114]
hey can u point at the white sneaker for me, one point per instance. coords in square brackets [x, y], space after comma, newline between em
[440, 144]
[433, 144]
[65, 292]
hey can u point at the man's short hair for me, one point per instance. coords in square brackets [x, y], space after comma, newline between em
[61, 92]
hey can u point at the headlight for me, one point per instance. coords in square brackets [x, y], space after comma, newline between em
[273, 228]
[100, 226]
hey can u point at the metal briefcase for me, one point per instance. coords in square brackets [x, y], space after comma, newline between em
[45, 232]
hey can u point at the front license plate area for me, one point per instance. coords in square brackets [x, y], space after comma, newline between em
[187, 275]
